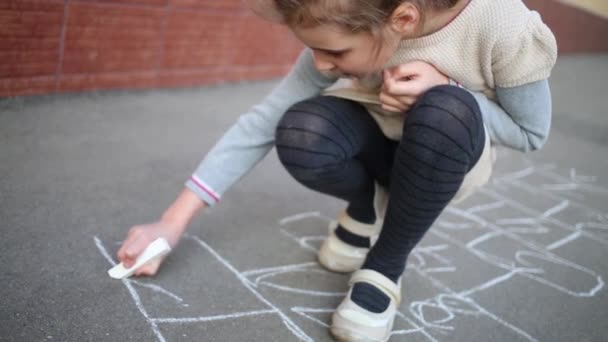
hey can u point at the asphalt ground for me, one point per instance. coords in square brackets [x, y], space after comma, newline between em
[524, 259]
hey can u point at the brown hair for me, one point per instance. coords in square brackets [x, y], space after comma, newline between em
[352, 15]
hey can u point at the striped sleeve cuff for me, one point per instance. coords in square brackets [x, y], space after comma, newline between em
[204, 191]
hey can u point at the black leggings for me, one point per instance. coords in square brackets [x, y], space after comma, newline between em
[334, 146]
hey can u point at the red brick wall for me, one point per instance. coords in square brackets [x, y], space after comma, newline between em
[63, 46]
[51, 46]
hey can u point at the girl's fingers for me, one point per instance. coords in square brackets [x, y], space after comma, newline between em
[132, 249]
[402, 103]
[133, 234]
[393, 109]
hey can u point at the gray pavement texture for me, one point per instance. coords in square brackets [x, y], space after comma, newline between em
[524, 259]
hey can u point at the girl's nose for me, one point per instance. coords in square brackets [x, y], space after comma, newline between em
[323, 64]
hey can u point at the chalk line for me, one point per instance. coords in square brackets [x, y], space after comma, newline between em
[564, 241]
[453, 226]
[300, 241]
[485, 207]
[517, 221]
[159, 289]
[515, 175]
[302, 311]
[213, 318]
[301, 216]
[580, 178]
[560, 187]
[278, 268]
[558, 208]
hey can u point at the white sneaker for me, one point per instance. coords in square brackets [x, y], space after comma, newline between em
[352, 323]
[337, 255]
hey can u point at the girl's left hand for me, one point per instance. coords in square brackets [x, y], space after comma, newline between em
[404, 83]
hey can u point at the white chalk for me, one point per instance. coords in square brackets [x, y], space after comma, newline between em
[156, 249]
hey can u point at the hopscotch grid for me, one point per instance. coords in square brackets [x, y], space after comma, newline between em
[535, 213]
[541, 250]
[153, 321]
[530, 188]
[582, 182]
[443, 301]
[288, 322]
[439, 284]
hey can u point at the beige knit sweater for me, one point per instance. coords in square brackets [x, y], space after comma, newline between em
[491, 43]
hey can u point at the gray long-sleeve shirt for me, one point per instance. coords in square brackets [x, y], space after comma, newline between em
[521, 121]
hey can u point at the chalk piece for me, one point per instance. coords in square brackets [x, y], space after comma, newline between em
[156, 249]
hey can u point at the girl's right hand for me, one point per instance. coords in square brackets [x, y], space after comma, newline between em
[139, 237]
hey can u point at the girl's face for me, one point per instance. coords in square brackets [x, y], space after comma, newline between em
[346, 54]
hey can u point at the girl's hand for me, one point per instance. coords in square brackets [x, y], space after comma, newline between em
[404, 83]
[139, 237]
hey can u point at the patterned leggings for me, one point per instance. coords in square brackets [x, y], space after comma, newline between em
[334, 146]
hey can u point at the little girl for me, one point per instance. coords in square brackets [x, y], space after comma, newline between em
[401, 128]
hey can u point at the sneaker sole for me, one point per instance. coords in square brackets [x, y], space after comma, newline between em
[346, 335]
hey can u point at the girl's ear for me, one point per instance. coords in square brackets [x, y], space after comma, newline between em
[406, 19]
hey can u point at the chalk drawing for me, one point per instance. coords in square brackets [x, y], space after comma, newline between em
[536, 234]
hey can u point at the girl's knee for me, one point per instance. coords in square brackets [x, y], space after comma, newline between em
[454, 100]
[305, 142]
[296, 127]
[445, 120]
[448, 109]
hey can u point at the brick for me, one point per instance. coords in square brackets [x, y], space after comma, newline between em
[197, 39]
[256, 73]
[26, 56]
[131, 2]
[29, 38]
[94, 61]
[26, 86]
[19, 63]
[29, 18]
[29, 23]
[32, 5]
[23, 69]
[209, 4]
[109, 38]
[27, 43]
[35, 31]
[112, 38]
[277, 46]
[127, 80]
[83, 15]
